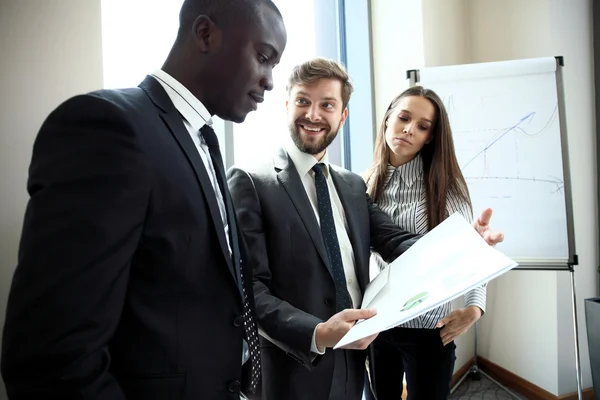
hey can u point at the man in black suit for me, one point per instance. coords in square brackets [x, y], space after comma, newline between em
[132, 281]
[309, 226]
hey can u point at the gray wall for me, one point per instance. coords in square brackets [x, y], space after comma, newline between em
[50, 50]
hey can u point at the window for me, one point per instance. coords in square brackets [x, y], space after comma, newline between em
[138, 34]
[266, 129]
[136, 38]
[336, 29]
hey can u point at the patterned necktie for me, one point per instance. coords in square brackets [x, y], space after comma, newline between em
[332, 245]
[251, 331]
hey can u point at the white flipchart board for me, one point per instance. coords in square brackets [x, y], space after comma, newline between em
[509, 133]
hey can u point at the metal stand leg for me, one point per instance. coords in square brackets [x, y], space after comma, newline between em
[507, 390]
[576, 333]
[473, 372]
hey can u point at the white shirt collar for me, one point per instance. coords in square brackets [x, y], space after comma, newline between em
[190, 108]
[304, 161]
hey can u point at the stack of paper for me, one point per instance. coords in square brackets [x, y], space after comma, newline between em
[444, 264]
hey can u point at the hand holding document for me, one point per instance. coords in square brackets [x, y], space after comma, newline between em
[444, 264]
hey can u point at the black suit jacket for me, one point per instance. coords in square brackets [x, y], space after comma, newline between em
[125, 287]
[293, 286]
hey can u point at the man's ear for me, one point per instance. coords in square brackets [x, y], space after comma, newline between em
[206, 33]
[344, 115]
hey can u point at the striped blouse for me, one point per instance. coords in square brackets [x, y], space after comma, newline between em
[403, 199]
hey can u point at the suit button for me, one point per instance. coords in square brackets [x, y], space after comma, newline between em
[234, 387]
[328, 302]
[238, 321]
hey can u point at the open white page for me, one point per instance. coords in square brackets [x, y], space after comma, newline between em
[444, 264]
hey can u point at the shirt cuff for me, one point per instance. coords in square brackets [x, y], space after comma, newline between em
[477, 297]
[313, 344]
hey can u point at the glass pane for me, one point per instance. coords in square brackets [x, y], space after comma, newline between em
[138, 34]
[265, 130]
[136, 38]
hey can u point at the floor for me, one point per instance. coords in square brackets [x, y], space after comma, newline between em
[478, 389]
[484, 388]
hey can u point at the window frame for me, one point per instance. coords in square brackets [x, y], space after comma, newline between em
[348, 41]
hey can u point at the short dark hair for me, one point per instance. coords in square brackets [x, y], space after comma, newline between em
[222, 12]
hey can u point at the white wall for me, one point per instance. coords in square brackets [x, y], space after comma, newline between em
[445, 32]
[574, 41]
[510, 29]
[528, 326]
[520, 331]
[547, 28]
[397, 47]
[51, 49]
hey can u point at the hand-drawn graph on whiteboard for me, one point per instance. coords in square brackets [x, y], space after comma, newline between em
[506, 123]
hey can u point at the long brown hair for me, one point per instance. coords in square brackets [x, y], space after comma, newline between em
[441, 172]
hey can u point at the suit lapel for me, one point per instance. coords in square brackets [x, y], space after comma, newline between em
[174, 122]
[289, 178]
[348, 199]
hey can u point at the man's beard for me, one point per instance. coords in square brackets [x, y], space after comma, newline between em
[317, 146]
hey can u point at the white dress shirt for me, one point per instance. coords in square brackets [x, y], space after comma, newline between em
[304, 163]
[194, 116]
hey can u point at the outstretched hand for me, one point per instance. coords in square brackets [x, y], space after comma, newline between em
[482, 226]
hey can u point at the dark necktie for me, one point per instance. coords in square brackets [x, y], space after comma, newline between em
[332, 245]
[210, 138]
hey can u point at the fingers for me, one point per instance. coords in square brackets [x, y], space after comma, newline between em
[484, 218]
[442, 322]
[497, 237]
[450, 328]
[448, 318]
[454, 329]
[493, 238]
[356, 314]
[448, 335]
[447, 340]
[451, 335]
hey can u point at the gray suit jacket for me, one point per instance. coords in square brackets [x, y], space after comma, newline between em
[293, 285]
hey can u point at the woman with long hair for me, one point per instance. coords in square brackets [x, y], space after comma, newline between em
[416, 180]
